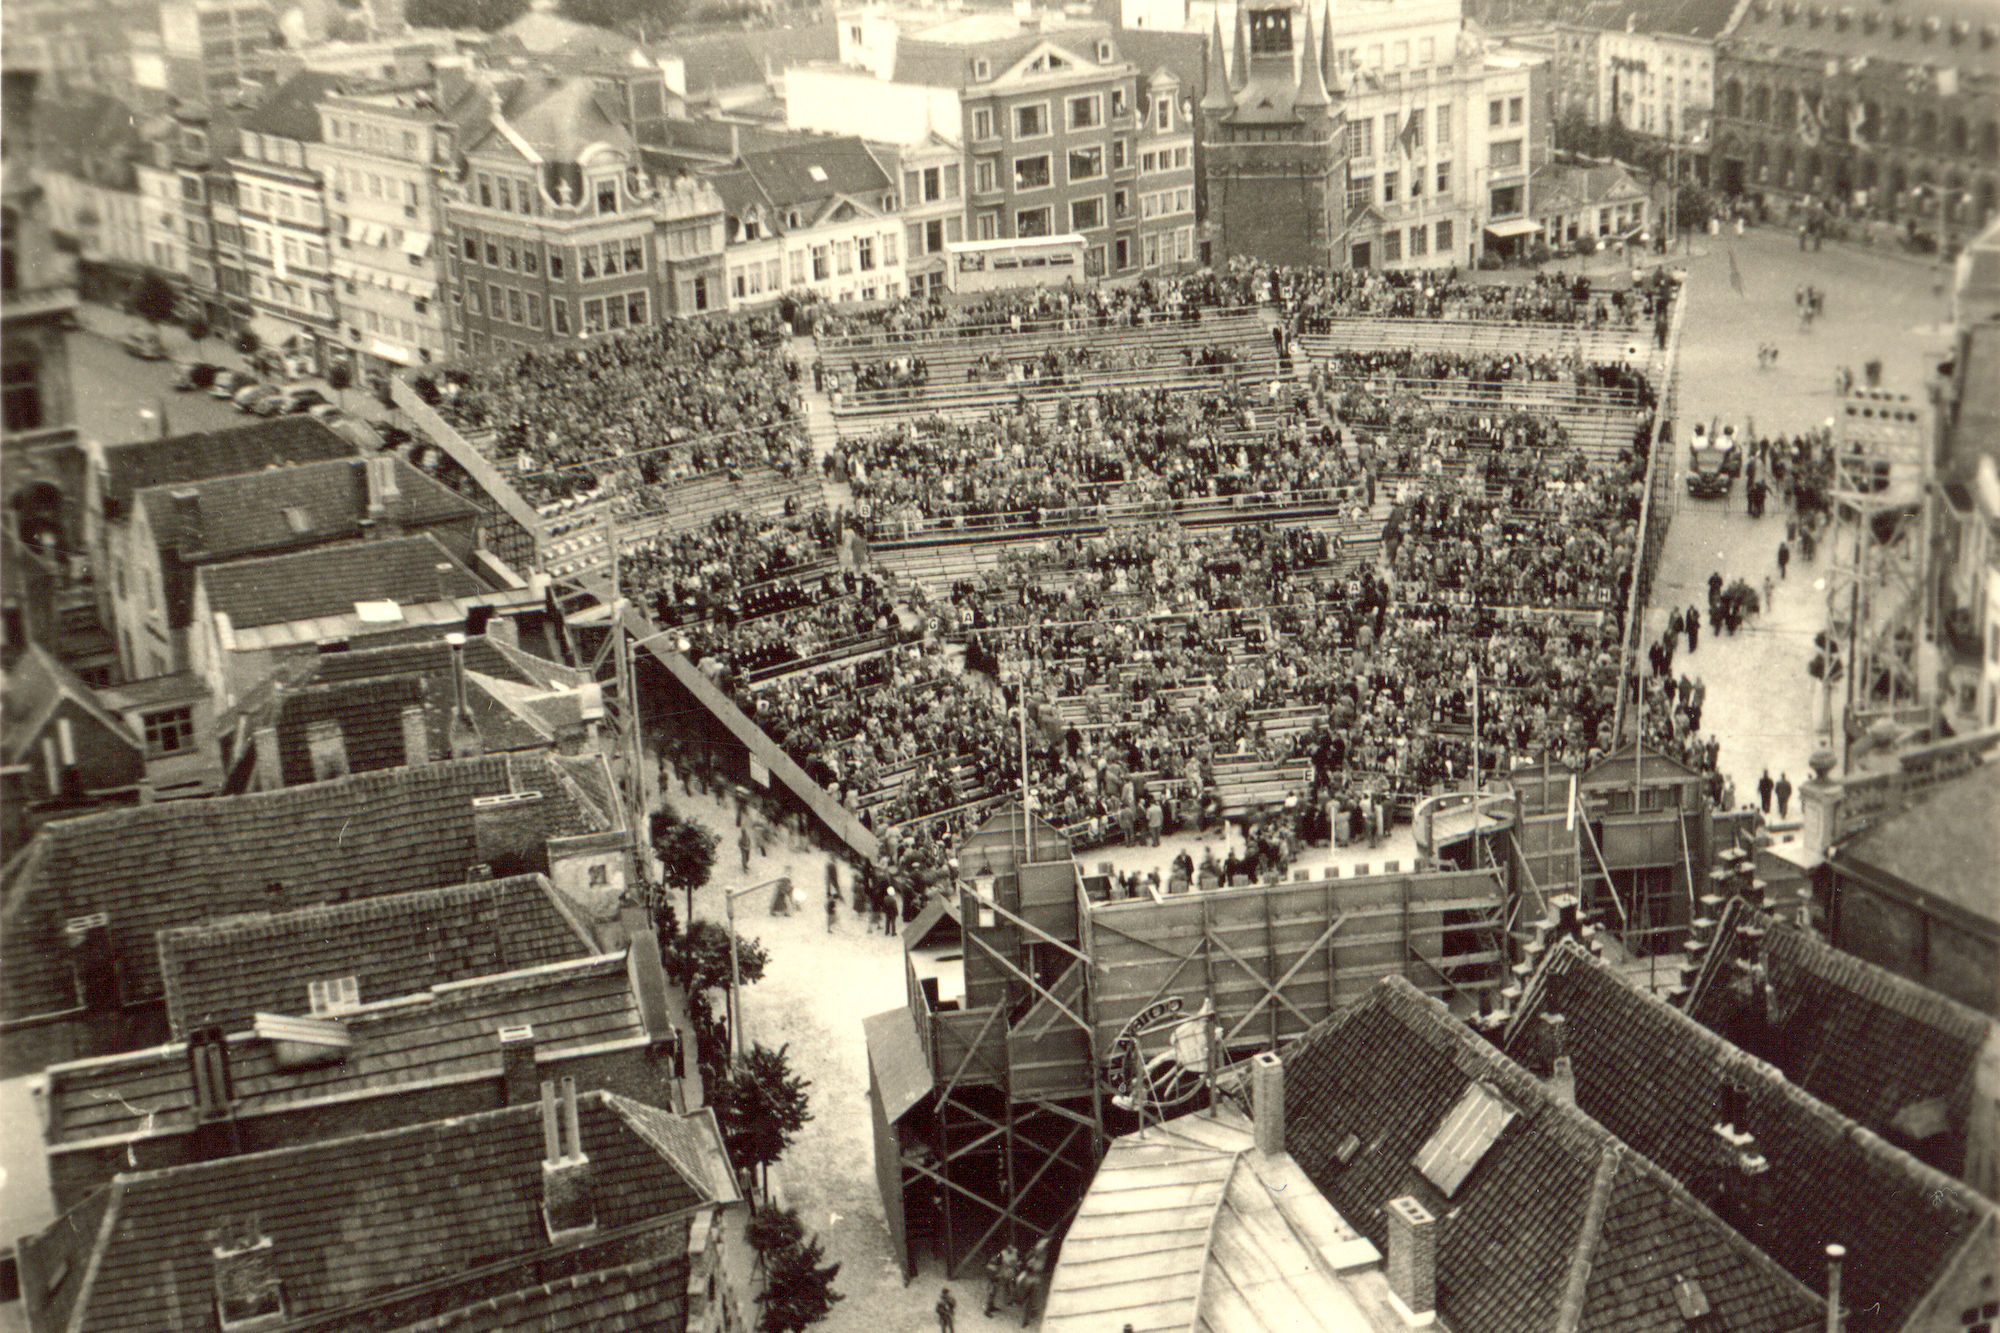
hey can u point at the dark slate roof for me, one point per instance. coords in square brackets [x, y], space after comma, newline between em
[351, 1221]
[1655, 1078]
[292, 110]
[1945, 846]
[329, 580]
[179, 862]
[1555, 1218]
[369, 714]
[445, 1034]
[645, 1296]
[1152, 49]
[36, 688]
[223, 971]
[1869, 1043]
[217, 453]
[786, 174]
[239, 514]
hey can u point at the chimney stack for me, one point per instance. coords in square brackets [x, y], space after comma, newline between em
[465, 741]
[247, 1283]
[212, 1095]
[1267, 1101]
[268, 765]
[416, 736]
[517, 1064]
[1834, 1255]
[568, 1210]
[1412, 1262]
[1562, 1071]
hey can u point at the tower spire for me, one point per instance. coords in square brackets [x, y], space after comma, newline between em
[1327, 68]
[1214, 82]
[1239, 59]
[1312, 82]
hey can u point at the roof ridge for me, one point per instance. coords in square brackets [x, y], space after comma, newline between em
[1729, 1056]
[1570, 1309]
[1890, 990]
[244, 924]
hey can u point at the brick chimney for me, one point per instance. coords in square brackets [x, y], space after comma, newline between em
[326, 743]
[416, 736]
[1412, 1264]
[212, 1096]
[1562, 1070]
[248, 1287]
[270, 767]
[1267, 1101]
[568, 1209]
[382, 485]
[517, 1064]
[465, 739]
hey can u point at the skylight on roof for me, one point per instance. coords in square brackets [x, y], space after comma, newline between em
[817, 173]
[1463, 1137]
[296, 520]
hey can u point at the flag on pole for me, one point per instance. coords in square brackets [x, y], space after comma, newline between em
[1407, 139]
[1735, 274]
[1857, 124]
[1809, 122]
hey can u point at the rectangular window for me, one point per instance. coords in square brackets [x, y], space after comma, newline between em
[1121, 253]
[593, 316]
[333, 997]
[1443, 123]
[559, 314]
[472, 246]
[1086, 214]
[503, 189]
[556, 263]
[608, 261]
[1031, 222]
[989, 226]
[607, 196]
[1360, 192]
[1513, 111]
[1392, 246]
[864, 253]
[534, 312]
[1419, 241]
[1151, 246]
[1120, 154]
[635, 309]
[170, 731]
[1032, 173]
[888, 249]
[474, 293]
[822, 263]
[635, 254]
[485, 190]
[1389, 186]
[531, 259]
[1443, 179]
[1121, 203]
[1503, 155]
[1031, 122]
[510, 255]
[1389, 127]
[492, 254]
[798, 266]
[843, 252]
[1085, 164]
[982, 123]
[1506, 201]
[1361, 133]
[1415, 128]
[700, 293]
[951, 180]
[983, 177]
[1494, 110]
[496, 300]
[1086, 113]
[932, 185]
[515, 309]
[933, 238]
[1163, 114]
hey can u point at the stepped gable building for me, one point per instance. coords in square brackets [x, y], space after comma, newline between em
[1398, 1171]
[1787, 1171]
[85, 901]
[1857, 105]
[1913, 1066]
[589, 1211]
[1274, 143]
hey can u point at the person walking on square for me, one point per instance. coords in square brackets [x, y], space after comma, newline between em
[1784, 558]
[1693, 623]
[1000, 1274]
[1784, 791]
[743, 846]
[947, 1311]
[1674, 624]
[1764, 786]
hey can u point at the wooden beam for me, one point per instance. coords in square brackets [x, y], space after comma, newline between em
[1027, 981]
[1060, 982]
[951, 1084]
[1273, 992]
[1009, 1214]
[1237, 958]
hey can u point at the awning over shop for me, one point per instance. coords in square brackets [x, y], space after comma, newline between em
[1513, 227]
[416, 242]
[902, 1071]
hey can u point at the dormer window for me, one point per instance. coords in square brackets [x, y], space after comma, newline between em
[1104, 53]
[607, 195]
[334, 996]
[982, 70]
[248, 1291]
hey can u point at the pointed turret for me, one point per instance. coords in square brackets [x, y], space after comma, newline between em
[1312, 83]
[1328, 69]
[1214, 83]
[1239, 57]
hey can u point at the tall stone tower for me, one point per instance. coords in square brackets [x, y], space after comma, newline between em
[1274, 142]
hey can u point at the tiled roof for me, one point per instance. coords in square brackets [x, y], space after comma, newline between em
[248, 511]
[646, 1296]
[1786, 28]
[1867, 1042]
[1677, 18]
[329, 580]
[1555, 1217]
[223, 971]
[369, 714]
[446, 1034]
[351, 1221]
[1944, 846]
[219, 453]
[179, 862]
[36, 686]
[292, 110]
[1655, 1078]
[729, 60]
[843, 166]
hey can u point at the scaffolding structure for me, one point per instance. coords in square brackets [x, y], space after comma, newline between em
[1876, 590]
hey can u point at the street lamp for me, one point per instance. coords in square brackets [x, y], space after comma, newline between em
[735, 972]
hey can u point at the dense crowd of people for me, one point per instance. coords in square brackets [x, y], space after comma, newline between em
[633, 411]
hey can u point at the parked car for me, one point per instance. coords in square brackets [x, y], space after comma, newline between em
[303, 399]
[250, 395]
[326, 412]
[227, 383]
[200, 375]
[144, 344]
